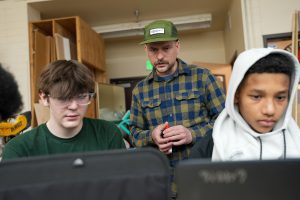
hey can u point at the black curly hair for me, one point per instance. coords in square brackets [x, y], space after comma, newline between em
[273, 63]
[10, 97]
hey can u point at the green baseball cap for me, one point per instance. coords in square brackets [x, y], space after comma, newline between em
[160, 31]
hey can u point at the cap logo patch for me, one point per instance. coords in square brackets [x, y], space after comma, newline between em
[157, 31]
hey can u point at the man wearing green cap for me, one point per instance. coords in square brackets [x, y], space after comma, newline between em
[176, 104]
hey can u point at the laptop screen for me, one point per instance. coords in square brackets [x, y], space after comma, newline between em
[236, 180]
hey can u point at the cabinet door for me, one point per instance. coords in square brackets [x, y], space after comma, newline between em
[40, 41]
[90, 46]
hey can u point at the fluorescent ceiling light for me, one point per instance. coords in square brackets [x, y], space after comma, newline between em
[136, 28]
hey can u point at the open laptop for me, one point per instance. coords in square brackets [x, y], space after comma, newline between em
[139, 174]
[238, 180]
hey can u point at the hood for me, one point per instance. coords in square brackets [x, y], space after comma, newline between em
[244, 61]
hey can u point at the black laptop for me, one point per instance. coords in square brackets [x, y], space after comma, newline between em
[140, 174]
[199, 179]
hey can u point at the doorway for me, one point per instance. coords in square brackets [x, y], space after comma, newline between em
[128, 83]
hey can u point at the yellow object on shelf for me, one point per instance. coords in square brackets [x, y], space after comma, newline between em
[11, 129]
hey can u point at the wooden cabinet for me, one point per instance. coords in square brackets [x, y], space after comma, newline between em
[84, 45]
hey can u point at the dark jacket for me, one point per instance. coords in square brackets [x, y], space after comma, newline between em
[204, 147]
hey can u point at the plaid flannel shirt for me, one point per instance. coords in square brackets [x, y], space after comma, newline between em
[191, 97]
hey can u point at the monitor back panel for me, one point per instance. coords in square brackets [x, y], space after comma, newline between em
[113, 175]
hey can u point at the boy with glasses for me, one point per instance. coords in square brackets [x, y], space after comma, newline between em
[67, 88]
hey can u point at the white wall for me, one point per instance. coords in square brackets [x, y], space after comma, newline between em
[203, 47]
[14, 45]
[234, 32]
[126, 58]
[262, 17]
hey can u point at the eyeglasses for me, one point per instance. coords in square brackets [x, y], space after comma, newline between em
[81, 99]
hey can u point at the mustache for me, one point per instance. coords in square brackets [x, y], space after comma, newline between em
[159, 62]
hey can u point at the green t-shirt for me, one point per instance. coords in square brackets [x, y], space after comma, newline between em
[95, 135]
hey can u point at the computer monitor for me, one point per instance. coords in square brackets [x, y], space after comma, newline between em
[199, 179]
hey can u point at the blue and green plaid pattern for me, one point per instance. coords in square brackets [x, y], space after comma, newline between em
[191, 97]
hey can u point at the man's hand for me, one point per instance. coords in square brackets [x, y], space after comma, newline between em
[164, 144]
[179, 135]
[165, 137]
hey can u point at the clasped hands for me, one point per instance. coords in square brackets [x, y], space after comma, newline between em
[165, 137]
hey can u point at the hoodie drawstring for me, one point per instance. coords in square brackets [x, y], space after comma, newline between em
[284, 146]
[260, 151]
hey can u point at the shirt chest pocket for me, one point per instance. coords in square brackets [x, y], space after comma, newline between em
[190, 95]
[153, 103]
[189, 101]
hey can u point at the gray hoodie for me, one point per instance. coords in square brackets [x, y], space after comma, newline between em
[234, 139]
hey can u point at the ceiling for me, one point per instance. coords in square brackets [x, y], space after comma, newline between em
[106, 12]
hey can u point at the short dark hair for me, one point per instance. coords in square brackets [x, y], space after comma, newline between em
[64, 79]
[10, 97]
[273, 63]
